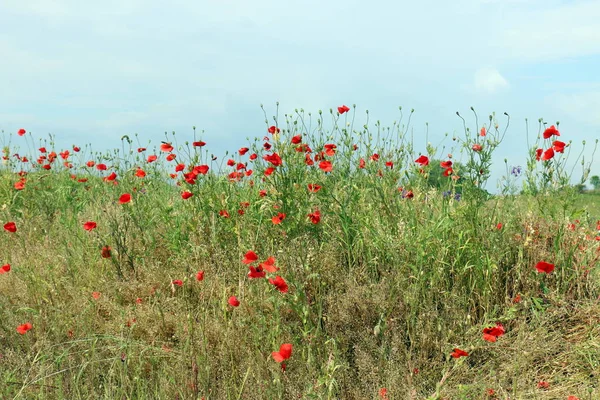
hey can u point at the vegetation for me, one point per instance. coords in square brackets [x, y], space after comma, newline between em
[317, 262]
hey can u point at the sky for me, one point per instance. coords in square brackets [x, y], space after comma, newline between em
[91, 72]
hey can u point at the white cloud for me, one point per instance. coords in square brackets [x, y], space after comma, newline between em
[489, 80]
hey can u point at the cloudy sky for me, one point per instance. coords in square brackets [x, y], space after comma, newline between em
[91, 72]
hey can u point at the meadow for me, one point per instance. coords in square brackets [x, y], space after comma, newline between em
[323, 260]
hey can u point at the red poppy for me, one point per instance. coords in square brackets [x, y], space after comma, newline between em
[572, 398]
[308, 160]
[273, 159]
[326, 166]
[375, 157]
[21, 132]
[447, 172]
[110, 177]
[313, 187]
[64, 154]
[482, 131]
[105, 252]
[278, 219]
[141, 149]
[552, 131]
[202, 169]
[330, 149]
[256, 272]
[42, 150]
[548, 154]
[315, 217]
[361, 163]
[200, 276]
[544, 267]
[101, 167]
[96, 295]
[250, 257]
[186, 195]
[279, 284]
[243, 151]
[89, 226]
[140, 173]
[538, 154]
[389, 164]
[224, 214]
[233, 301]
[558, 146]
[543, 385]
[383, 393]
[76, 149]
[422, 160]
[499, 226]
[253, 156]
[262, 193]
[199, 144]
[151, 158]
[20, 185]
[125, 198]
[166, 147]
[22, 329]
[273, 129]
[284, 353]
[4, 269]
[177, 282]
[492, 334]
[10, 227]
[458, 353]
[171, 157]
[269, 265]
[477, 147]
[343, 109]
[446, 164]
[296, 139]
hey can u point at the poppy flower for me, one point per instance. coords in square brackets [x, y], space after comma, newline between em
[447, 172]
[125, 198]
[269, 265]
[492, 334]
[422, 160]
[389, 164]
[278, 219]
[250, 257]
[151, 158]
[477, 147]
[233, 301]
[343, 109]
[326, 166]
[171, 157]
[284, 353]
[243, 151]
[375, 157]
[279, 284]
[446, 164]
[76, 149]
[5, 269]
[10, 227]
[273, 129]
[224, 214]
[21, 132]
[572, 398]
[499, 226]
[20, 185]
[89, 226]
[166, 147]
[177, 282]
[101, 167]
[313, 187]
[458, 353]
[105, 252]
[110, 177]
[186, 195]
[22, 329]
[482, 131]
[548, 154]
[256, 272]
[96, 295]
[296, 139]
[552, 131]
[544, 267]
[199, 144]
[361, 163]
[315, 217]
[330, 149]
[140, 173]
[200, 276]
[273, 159]
[383, 393]
[558, 146]
[308, 160]
[42, 150]
[543, 385]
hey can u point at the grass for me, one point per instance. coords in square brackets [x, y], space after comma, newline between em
[392, 277]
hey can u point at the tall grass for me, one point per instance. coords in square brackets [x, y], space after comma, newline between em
[403, 266]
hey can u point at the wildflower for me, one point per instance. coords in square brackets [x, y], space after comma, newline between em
[166, 147]
[278, 219]
[458, 353]
[343, 109]
[269, 265]
[5, 269]
[516, 171]
[543, 385]
[200, 276]
[330, 149]
[296, 139]
[361, 163]
[493, 333]
[446, 164]
[273, 159]
[477, 147]
[250, 257]
[482, 131]
[199, 144]
[548, 154]
[558, 146]
[105, 252]
[89, 226]
[96, 295]
[284, 353]
[279, 284]
[233, 301]
[422, 160]
[552, 131]
[243, 151]
[313, 187]
[177, 282]
[140, 173]
[383, 393]
[151, 158]
[101, 167]
[171, 157]
[315, 217]
[256, 272]
[110, 177]
[326, 166]
[544, 267]
[273, 129]
[125, 198]
[10, 227]
[23, 329]
[21, 132]
[186, 194]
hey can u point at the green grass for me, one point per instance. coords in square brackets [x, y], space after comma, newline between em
[381, 289]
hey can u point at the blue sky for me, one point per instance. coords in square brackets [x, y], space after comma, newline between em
[91, 72]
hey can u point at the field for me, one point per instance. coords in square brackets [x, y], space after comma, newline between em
[321, 261]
